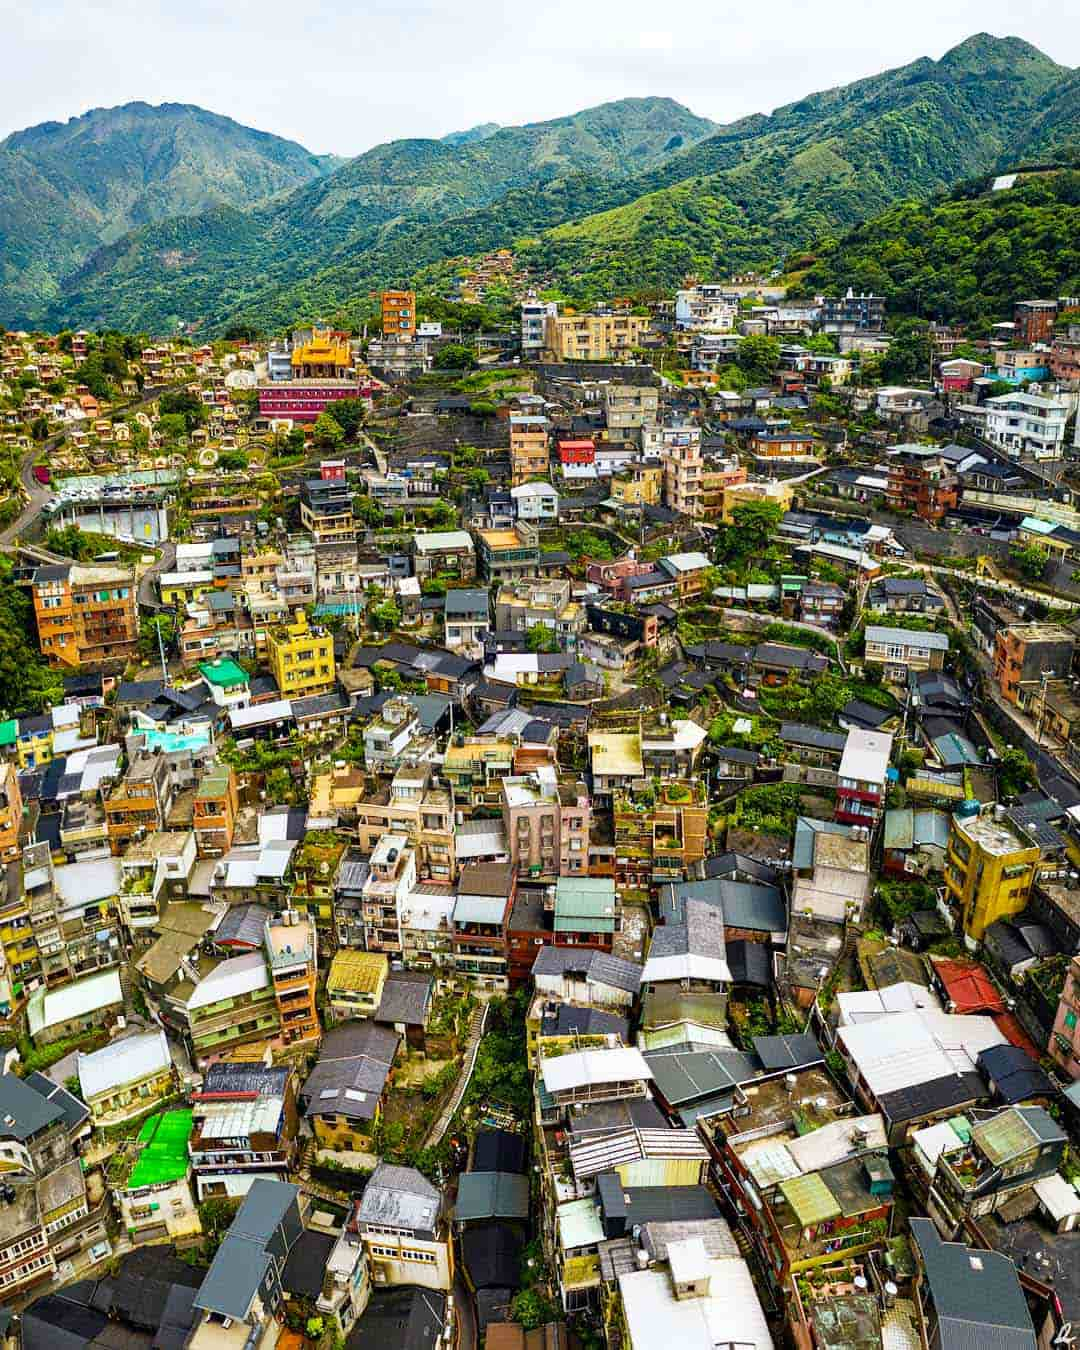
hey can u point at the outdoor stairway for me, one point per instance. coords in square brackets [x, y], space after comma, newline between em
[472, 1049]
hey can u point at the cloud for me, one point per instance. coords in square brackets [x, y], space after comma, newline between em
[342, 78]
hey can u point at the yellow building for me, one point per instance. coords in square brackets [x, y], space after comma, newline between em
[593, 337]
[301, 658]
[639, 486]
[738, 494]
[354, 985]
[326, 357]
[178, 588]
[989, 868]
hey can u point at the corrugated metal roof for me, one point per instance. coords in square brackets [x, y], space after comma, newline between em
[593, 1156]
[810, 1199]
[126, 1061]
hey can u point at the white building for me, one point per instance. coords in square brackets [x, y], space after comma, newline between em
[534, 316]
[1027, 426]
[536, 501]
[705, 307]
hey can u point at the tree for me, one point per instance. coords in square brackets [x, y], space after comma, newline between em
[1015, 772]
[233, 460]
[149, 630]
[1030, 559]
[386, 616]
[541, 638]
[328, 431]
[455, 356]
[758, 357]
[909, 353]
[349, 415]
[752, 526]
[183, 403]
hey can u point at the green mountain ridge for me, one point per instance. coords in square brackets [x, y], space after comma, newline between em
[965, 257]
[625, 197]
[67, 188]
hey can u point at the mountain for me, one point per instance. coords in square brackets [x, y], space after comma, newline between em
[212, 265]
[967, 256]
[619, 198]
[812, 168]
[1055, 132]
[477, 133]
[67, 188]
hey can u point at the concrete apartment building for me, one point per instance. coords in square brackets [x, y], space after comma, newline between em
[398, 309]
[989, 868]
[1025, 653]
[301, 658]
[86, 615]
[1027, 426]
[291, 945]
[682, 476]
[547, 824]
[921, 481]
[529, 455]
[594, 337]
[413, 806]
[215, 809]
[629, 407]
[534, 316]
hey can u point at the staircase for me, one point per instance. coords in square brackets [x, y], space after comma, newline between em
[472, 1049]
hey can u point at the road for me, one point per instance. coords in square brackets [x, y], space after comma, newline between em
[464, 1313]
[37, 492]
[1003, 587]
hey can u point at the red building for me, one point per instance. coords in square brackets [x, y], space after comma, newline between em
[304, 400]
[1033, 321]
[577, 452]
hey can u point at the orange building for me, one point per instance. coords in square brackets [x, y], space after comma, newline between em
[86, 615]
[11, 808]
[290, 953]
[214, 811]
[398, 314]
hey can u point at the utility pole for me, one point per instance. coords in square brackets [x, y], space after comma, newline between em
[161, 652]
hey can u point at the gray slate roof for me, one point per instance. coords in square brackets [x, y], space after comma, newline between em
[401, 1197]
[492, 1195]
[977, 1294]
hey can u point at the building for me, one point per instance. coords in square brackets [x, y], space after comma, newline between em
[11, 812]
[861, 779]
[901, 650]
[398, 309]
[125, 1078]
[320, 354]
[479, 923]
[739, 494]
[657, 840]
[54, 1014]
[291, 945]
[401, 1223]
[446, 552]
[529, 457]
[989, 870]
[301, 658]
[231, 1005]
[1033, 322]
[215, 808]
[326, 508]
[852, 313]
[706, 308]
[86, 615]
[354, 984]
[920, 480]
[1027, 426]
[1064, 1046]
[241, 1296]
[966, 1295]
[1025, 655]
[536, 501]
[465, 618]
[344, 1093]
[534, 316]
[594, 337]
[629, 407]
[420, 810]
[510, 553]
[150, 1180]
[391, 878]
[682, 476]
[244, 1127]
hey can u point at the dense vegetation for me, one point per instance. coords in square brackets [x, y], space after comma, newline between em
[965, 257]
[65, 189]
[618, 198]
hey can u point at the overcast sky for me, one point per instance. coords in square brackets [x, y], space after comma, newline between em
[342, 77]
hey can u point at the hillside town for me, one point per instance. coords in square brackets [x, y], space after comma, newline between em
[543, 834]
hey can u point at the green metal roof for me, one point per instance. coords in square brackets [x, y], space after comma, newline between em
[9, 731]
[164, 1156]
[224, 672]
[585, 905]
[492, 1195]
[811, 1200]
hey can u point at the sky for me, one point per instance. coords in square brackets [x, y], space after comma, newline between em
[340, 78]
